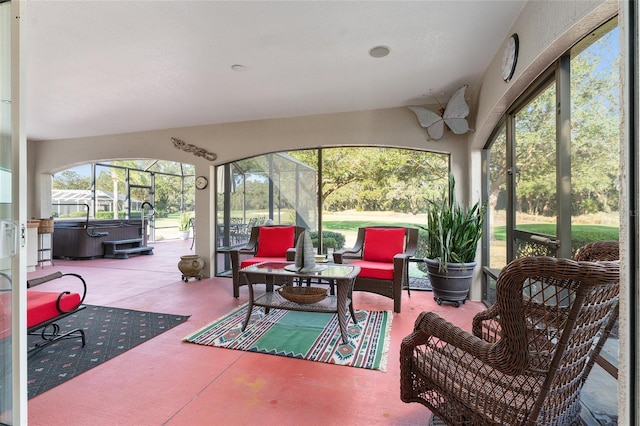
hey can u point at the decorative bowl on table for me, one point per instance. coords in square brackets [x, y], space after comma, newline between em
[303, 295]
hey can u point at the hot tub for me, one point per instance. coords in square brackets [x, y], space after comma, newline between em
[79, 239]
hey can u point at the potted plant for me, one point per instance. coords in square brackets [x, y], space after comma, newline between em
[184, 225]
[452, 236]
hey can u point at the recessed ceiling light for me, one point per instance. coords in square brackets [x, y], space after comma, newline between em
[238, 67]
[379, 51]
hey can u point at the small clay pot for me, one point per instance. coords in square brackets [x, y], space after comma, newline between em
[190, 265]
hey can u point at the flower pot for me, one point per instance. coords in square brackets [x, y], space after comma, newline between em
[451, 284]
[184, 235]
[190, 265]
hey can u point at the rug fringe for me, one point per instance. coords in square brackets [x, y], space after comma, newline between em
[200, 330]
[387, 343]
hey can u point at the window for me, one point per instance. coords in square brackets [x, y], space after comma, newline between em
[355, 187]
[542, 182]
[554, 170]
[123, 190]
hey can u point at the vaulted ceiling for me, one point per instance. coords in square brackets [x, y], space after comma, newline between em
[106, 67]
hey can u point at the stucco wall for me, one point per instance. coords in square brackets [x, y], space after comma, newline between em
[397, 127]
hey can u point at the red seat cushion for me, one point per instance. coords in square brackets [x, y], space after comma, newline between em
[376, 270]
[254, 260]
[41, 305]
[381, 244]
[274, 241]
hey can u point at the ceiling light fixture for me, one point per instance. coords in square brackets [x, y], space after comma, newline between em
[238, 67]
[379, 51]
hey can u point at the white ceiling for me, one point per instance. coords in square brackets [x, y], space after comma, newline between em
[104, 67]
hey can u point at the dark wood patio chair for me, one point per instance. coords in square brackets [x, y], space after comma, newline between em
[266, 243]
[383, 253]
[528, 356]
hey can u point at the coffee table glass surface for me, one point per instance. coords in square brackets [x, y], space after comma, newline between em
[285, 273]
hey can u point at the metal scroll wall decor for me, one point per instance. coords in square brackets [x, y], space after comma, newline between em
[197, 151]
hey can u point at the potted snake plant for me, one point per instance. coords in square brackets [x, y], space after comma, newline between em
[452, 235]
[184, 225]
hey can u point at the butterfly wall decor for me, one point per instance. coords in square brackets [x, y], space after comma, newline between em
[454, 116]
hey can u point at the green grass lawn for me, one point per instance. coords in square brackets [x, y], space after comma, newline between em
[578, 232]
[353, 225]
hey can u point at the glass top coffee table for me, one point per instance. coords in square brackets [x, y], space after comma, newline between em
[284, 272]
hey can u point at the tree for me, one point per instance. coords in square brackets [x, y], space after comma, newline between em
[594, 139]
[70, 179]
[378, 178]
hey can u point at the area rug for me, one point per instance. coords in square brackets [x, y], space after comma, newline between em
[306, 335]
[109, 333]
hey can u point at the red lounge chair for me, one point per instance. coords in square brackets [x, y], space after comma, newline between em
[45, 308]
[383, 253]
[266, 243]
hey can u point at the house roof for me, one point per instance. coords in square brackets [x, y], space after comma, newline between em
[82, 196]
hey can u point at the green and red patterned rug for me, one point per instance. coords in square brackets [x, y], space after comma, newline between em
[305, 335]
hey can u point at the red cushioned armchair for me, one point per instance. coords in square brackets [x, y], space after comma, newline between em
[383, 253]
[266, 243]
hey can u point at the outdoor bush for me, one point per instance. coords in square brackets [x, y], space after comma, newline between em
[331, 239]
[329, 243]
[104, 215]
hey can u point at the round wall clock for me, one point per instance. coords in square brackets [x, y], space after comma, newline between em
[201, 182]
[510, 57]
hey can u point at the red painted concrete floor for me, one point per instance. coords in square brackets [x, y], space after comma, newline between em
[169, 382]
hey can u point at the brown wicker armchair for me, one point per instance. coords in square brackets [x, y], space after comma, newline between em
[598, 251]
[276, 243]
[383, 253]
[525, 364]
[487, 323]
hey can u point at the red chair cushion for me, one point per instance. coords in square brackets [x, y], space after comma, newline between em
[41, 305]
[381, 244]
[254, 260]
[273, 241]
[376, 270]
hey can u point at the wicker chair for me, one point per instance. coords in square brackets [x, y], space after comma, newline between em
[529, 354]
[596, 252]
[599, 251]
[261, 249]
[383, 253]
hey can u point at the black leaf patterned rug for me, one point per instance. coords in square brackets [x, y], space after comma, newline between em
[109, 333]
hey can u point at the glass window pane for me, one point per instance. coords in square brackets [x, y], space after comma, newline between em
[6, 216]
[535, 149]
[360, 187]
[595, 139]
[535, 170]
[497, 203]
